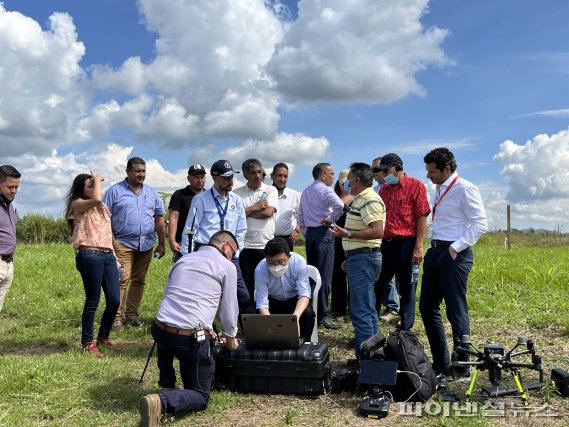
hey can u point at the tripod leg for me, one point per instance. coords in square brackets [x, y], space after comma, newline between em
[516, 377]
[472, 384]
[147, 361]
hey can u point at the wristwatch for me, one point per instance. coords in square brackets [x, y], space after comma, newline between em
[349, 236]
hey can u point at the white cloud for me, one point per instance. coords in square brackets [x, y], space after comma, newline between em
[41, 89]
[562, 113]
[366, 50]
[537, 170]
[287, 148]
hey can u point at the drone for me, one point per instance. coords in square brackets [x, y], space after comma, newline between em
[495, 359]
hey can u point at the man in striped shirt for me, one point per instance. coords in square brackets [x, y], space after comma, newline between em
[361, 240]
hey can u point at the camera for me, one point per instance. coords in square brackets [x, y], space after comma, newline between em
[345, 379]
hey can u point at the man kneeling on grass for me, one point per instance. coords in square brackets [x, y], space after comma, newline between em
[282, 286]
[199, 283]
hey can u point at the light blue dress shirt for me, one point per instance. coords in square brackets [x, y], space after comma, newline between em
[207, 220]
[318, 201]
[133, 214]
[293, 283]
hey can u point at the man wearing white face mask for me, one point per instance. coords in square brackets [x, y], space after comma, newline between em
[282, 286]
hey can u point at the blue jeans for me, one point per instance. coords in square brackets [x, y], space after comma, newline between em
[98, 270]
[363, 270]
[445, 278]
[390, 296]
[196, 369]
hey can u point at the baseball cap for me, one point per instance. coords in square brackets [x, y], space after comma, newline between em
[222, 168]
[343, 176]
[197, 168]
[389, 160]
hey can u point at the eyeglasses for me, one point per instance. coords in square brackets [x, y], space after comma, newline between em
[234, 252]
[378, 170]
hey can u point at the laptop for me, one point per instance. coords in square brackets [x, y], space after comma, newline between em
[275, 331]
[377, 372]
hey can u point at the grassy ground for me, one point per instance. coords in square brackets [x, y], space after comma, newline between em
[46, 380]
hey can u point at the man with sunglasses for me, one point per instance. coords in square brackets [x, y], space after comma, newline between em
[198, 285]
[407, 208]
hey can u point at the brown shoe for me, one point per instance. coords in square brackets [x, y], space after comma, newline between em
[90, 347]
[150, 408]
[107, 343]
[117, 325]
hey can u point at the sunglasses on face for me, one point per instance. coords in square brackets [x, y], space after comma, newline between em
[378, 170]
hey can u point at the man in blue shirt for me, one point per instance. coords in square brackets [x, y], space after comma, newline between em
[137, 214]
[218, 209]
[282, 285]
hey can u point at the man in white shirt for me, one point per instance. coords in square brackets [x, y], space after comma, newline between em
[286, 224]
[283, 287]
[458, 221]
[260, 201]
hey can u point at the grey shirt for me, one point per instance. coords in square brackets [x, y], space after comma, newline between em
[199, 283]
[7, 228]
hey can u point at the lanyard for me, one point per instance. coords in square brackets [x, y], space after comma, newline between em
[221, 212]
[442, 195]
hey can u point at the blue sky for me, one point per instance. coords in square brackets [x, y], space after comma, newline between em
[336, 81]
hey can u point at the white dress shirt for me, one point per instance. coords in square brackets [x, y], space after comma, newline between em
[259, 231]
[459, 216]
[287, 212]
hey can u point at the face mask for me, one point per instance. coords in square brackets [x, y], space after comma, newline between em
[391, 179]
[347, 186]
[278, 270]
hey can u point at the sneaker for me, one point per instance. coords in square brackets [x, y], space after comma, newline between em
[389, 315]
[117, 325]
[106, 342]
[134, 321]
[150, 408]
[90, 347]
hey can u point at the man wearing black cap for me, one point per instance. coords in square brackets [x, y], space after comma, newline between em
[407, 208]
[214, 210]
[180, 206]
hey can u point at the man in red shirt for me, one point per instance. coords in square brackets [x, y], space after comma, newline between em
[407, 208]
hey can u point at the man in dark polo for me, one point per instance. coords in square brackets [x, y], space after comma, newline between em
[9, 184]
[179, 207]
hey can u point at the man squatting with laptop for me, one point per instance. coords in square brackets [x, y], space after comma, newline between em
[282, 286]
[184, 327]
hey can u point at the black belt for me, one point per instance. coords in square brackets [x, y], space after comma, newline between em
[7, 258]
[441, 243]
[361, 251]
[390, 239]
[285, 237]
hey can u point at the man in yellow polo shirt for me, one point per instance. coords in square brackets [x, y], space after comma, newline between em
[361, 240]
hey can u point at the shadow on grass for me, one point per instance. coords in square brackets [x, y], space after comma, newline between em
[121, 394]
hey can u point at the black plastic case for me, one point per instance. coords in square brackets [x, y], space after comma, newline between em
[305, 370]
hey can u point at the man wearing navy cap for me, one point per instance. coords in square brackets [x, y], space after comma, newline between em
[407, 208]
[179, 207]
[214, 210]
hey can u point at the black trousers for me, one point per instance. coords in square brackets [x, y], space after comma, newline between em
[445, 279]
[397, 260]
[320, 253]
[196, 369]
[306, 321]
[339, 286]
[248, 260]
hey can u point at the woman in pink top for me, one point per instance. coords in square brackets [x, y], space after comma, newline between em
[90, 221]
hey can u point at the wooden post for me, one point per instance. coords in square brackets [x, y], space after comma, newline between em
[509, 241]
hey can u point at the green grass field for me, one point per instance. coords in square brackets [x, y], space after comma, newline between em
[46, 380]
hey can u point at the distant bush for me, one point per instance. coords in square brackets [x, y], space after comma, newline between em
[35, 228]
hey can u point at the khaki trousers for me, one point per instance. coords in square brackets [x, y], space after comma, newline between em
[135, 266]
[6, 277]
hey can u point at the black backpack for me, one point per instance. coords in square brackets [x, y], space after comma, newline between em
[405, 348]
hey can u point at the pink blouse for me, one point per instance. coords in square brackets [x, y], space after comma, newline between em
[94, 229]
